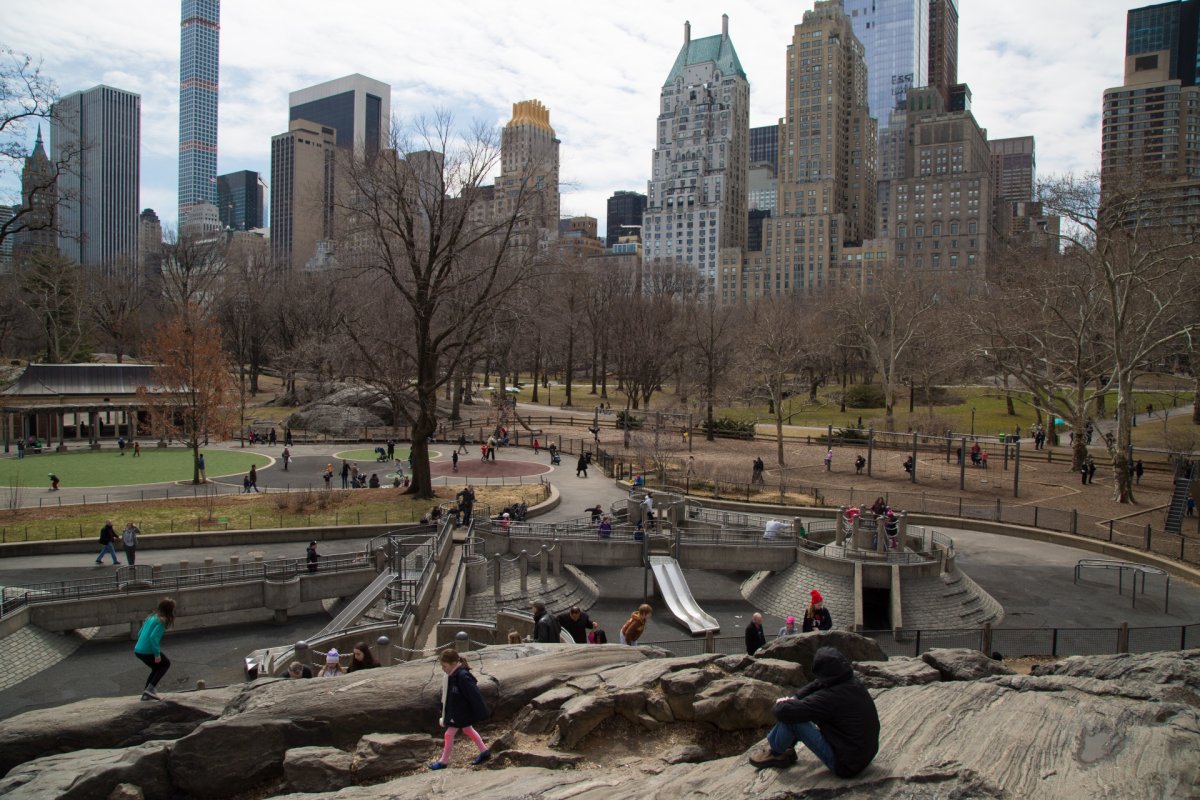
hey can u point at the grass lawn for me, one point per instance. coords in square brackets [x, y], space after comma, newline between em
[106, 468]
[244, 512]
[369, 454]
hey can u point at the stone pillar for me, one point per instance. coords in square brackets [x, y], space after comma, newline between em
[523, 566]
[840, 527]
[496, 567]
[543, 558]
[881, 535]
[557, 564]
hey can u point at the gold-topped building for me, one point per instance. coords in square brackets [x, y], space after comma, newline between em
[529, 166]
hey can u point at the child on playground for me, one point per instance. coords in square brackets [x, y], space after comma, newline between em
[462, 707]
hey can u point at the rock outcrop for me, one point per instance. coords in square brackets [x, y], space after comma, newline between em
[623, 722]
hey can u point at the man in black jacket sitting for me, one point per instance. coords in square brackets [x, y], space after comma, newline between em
[834, 716]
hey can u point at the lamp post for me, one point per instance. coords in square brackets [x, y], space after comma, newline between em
[972, 420]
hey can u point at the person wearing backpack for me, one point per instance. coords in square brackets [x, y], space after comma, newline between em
[462, 707]
[129, 541]
[108, 538]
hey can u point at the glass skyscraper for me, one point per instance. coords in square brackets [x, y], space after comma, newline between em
[199, 72]
[895, 38]
[1171, 27]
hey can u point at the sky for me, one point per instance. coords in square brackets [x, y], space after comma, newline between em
[1035, 67]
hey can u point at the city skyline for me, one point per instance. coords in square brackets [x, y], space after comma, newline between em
[601, 75]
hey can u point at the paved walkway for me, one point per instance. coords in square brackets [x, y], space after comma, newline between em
[1032, 580]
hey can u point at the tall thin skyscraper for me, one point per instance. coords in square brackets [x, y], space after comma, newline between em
[697, 198]
[826, 183]
[199, 74]
[98, 200]
[357, 107]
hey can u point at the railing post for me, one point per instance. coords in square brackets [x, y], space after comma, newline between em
[1054, 642]
[710, 643]
[986, 639]
[383, 651]
[1074, 520]
[1123, 637]
[1147, 547]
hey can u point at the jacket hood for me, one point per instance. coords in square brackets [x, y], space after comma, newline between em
[829, 664]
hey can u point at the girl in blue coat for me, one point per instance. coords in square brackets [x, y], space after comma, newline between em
[148, 647]
[462, 707]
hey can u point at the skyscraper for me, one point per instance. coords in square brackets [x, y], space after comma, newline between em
[697, 197]
[357, 107]
[303, 163]
[1149, 121]
[241, 197]
[827, 160]
[625, 212]
[98, 199]
[35, 224]
[199, 75]
[529, 169]
[1014, 168]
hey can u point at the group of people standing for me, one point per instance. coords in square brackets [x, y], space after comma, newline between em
[816, 618]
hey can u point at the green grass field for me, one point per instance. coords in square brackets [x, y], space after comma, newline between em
[107, 468]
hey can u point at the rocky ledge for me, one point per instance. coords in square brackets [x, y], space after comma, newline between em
[620, 722]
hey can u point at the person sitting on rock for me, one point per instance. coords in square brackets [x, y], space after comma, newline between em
[834, 716]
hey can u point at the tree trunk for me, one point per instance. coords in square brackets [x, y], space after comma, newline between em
[709, 390]
[537, 368]
[604, 374]
[1122, 481]
[778, 400]
[1196, 401]
[570, 368]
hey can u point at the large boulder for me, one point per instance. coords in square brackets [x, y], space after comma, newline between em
[1181, 669]
[961, 664]
[801, 648]
[317, 769]
[382, 754]
[334, 420]
[106, 722]
[579, 717]
[734, 704]
[776, 671]
[92, 774]
[902, 671]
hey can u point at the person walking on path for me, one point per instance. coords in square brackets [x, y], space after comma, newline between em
[253, 476]
[200, 468]
[391, 449]
[1139, 469]
[121, 445]
[149, 646]
[108, 539]
[462, 708]
[20, 448]
[834, 716]
[756, 637]
[271, 437]
[816, 616]
[546, 627]
[462, 443]
[829, 460]
[129, 542]
[1091, 465]
[581, 466]
[287, 456]
[491, 448]
[345, 474]
[466, 501]
[756, 475]
[312, 556]
[536, 447]
[635, 626]
[287, 436]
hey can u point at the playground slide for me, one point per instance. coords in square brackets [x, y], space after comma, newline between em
[358, 606]
[675, 591]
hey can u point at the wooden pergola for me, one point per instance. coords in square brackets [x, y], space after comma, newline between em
[73, 403]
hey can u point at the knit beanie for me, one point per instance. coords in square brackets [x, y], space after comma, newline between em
[816, 597]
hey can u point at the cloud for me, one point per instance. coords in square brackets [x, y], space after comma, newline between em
[1034, 68]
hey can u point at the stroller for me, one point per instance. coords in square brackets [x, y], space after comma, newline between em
[381, 455]
[555, 458]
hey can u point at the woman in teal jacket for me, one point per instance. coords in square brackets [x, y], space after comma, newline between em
[148, 645]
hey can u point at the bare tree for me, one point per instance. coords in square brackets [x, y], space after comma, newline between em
[115, 308]
[52, 289]
[1146, 276]
[886, 322]
[424, 237]
[191, 271]
[27, 98]
[771, 341]
[711, 332]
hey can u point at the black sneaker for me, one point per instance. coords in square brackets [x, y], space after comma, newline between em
[482, 757]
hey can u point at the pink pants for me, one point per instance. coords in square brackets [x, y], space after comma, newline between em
[471, 733]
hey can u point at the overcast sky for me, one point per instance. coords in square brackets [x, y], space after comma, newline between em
[1034, 67]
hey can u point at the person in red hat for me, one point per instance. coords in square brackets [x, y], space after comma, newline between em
[816, 616]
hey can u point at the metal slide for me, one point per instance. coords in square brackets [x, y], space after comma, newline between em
[675, 591]
[358, 606]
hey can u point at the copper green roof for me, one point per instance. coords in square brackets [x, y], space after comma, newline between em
[717, 49]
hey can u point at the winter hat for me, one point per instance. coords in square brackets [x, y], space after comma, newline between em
[816, 597]
[791, 620]
[331, 657]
